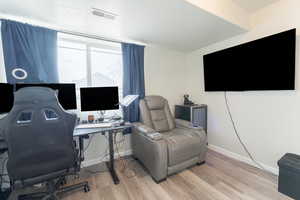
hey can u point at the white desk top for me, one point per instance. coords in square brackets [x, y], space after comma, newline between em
[95, 130]
[98, 125]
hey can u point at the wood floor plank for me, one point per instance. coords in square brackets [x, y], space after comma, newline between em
[190, 189]
[175, 191]
[221, 178]
[233, 182]
[202, 186]
[231, 192]
[264, 186]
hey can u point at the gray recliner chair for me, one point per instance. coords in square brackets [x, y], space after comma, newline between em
[39, 136]
[178, 146]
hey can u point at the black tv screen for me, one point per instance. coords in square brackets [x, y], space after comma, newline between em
[264, 64]
[66, 93]
[99, 98]
[7, 97]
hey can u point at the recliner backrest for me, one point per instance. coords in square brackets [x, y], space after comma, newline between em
[39, 134]
[155, 113]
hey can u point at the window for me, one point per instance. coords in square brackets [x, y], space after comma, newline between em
[72, 62]
[90, 63]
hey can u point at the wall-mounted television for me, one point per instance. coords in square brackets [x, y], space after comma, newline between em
[263, 64]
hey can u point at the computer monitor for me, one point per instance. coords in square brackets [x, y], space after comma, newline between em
[99, 98]
[66, 93]
[7, 97]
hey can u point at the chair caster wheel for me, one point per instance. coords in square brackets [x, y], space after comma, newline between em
[86, 188]
[201, 163]
[63, 182]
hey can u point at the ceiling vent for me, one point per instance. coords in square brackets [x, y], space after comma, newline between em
[104, 14]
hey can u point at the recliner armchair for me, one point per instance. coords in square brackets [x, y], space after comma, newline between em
[39, 135]
[179, 146]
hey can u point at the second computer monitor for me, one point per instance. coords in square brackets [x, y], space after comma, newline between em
[99, 98]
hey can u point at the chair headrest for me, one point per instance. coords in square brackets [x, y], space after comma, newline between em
[34, 95]
[155, 102]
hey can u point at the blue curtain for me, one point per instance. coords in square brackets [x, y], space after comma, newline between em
[29, 50]
[133, 78]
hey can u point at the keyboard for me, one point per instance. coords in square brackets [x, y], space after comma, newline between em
[98, 125]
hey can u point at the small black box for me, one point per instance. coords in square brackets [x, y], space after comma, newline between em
[289, 175]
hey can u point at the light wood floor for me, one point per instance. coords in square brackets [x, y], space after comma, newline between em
[221, 178]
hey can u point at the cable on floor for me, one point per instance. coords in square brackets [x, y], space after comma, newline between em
[124, 169]
[238, 135]
[117, 143]
[90, 141]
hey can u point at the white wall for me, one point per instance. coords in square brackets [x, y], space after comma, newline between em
[165, 74]
[268, 121]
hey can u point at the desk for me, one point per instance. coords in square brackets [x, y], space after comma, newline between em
[82, 133]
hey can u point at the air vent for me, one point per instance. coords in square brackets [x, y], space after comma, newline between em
[104, 14]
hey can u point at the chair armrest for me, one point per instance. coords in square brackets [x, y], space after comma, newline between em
[143, 128]
[147, 131]
[185, 124]
[152, 153]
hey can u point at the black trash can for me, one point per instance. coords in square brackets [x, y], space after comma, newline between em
[289, 175]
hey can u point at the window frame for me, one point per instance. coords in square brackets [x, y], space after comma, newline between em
[88, 50]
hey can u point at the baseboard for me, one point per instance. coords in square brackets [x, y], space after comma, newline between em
[242, 158]
[100, 160]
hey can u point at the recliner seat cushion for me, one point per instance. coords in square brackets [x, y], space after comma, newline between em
[183, 144]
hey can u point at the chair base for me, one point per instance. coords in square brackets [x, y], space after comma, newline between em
[4, 194]
[160, 181]
[201, 163]
[52, 192]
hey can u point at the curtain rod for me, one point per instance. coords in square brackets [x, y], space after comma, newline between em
[89, 36]
[82, 34]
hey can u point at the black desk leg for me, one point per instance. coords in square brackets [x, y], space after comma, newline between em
[110, 164]
[81, 138]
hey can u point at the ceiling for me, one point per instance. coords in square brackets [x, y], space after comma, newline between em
[177, 25]
[253, 5]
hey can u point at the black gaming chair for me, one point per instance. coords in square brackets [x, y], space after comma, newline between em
[39, 135]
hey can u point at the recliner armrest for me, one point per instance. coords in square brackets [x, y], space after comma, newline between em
[147, 131]
[151, 152]
[143, 128]
[186, 124]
